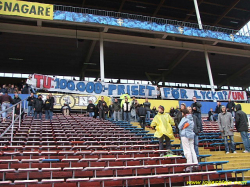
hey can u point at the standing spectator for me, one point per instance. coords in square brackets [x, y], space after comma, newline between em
[117, 110]
[158, 92]
[142, 114]
[241, 123]
[162, 124]
[38, 107]
[186, 127]
[217, 111]
[48, 106]
[126, 110]
[29, 83]
[53, 103]
[12, 89]
[226, 126]
[147, 105]
[134, 105]
[196, 107]
[110, 111]
[197, 130]
[172, 112]
[179, 117]
[211, 115]
[16, 99]
[154, 111]
[102, 106]
[25, 89]
[230, 107]
[17, 111]
[5, 101]
[30, 100]
[91, 109]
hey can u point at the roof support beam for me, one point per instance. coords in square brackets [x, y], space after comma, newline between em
[83, 3]
[67, 33]
[227, 11]
[173, 65]
[121, 6]
[158, 8]
[235, 75]
[149, 78]
[192, 11]
[86, 60]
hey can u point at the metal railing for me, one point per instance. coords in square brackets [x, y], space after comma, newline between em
[145, 18]
[13, 118]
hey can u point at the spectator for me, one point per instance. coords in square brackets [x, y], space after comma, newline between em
[211, 115]
[186, 127]
[241, 123]
[117, 110]
[30, 100]
[142, 114]
[217, 111]
[25, 89]
[197, 130]
[147, 105]
[53, 103]
[231, 107]
[38, 106]
[126, 110]
[48, 106]
[226, 126]
[134, 108]
[17, 111]
[154, 111]
[158, 92]
[65, 109]
[162, 124]
[91, 109]
[12, 89]
[5, 101]
[196, 107]
[111, 111]
[103, 108]
[16, 99]
[29, 83]
[172, 112]
[4, 89]
[179, 117]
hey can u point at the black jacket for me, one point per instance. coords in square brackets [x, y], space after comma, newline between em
[16, 100]
[30, 100]
[25, 90]
[172, 112]
[230, 106]
[91, 108]
[142, 111]
[48, 105]
[100, 105]
[198, 107]
[177, 120]
[217, 109]
[38, 105]
[197, 125]
[241, 121]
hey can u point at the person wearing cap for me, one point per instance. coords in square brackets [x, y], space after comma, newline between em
[5, 101]
[38, 106]
[226, 126]
[163, 130]
[186, 127]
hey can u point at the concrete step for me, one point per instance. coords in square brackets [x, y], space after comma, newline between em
[238, 159]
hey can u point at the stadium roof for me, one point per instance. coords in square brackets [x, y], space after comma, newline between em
[232, 14]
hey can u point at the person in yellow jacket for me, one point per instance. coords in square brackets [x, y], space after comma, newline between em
[162, 123]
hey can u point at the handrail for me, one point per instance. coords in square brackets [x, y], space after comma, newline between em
[145, 18]
[13, 118]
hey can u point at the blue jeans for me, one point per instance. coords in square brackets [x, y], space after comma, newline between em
[231, 144]
[91, 114]
[148, 115]
[30, 110]
[117, 116]
[245, 140]
[4, 107]
[40, 115]
[198, 115]
[47, 114]
[216, 117]
[127, 116]
[196, 142]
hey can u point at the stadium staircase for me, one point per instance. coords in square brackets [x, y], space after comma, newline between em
[81, 151]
